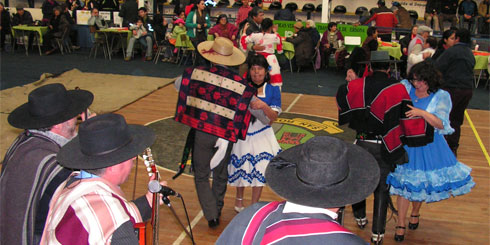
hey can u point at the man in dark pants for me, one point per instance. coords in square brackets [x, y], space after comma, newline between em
[456, 65]
[214, 102]
[375, 107]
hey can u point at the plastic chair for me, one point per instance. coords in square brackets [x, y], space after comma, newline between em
[308, 7]
[100, 41]
[185, 47]
[64, 42]
[292, 6]
[361, 10]
[160, 49]
[275, 6]
[340, 9]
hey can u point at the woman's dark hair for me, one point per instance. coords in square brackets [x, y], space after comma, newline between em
[254, 59]
[266, 24]
[194, 8]
[432, 41]
[426, 71]
[464, 36]
[330, 25]
[221, 16]
[371, 30]
[445, 35]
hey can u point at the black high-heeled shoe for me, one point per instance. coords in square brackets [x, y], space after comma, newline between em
[400, 238]
[414, 226]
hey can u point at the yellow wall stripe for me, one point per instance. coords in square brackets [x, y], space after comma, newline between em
[477, 137]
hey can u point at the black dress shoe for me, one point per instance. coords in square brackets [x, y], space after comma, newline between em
[414, 226]
[213, 223]
[400, 238]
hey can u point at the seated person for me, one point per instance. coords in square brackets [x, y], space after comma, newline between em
[96, 20]
[467, 11]
[371, 42]
[160, 26]
[316, 178]
[223, 28]
[178, 29]
[57, 26]
[141, 34]
[22, 17]
[333, 42]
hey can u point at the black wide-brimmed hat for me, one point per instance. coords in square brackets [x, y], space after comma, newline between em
[104, 141]
[50, 105]
[324, 172]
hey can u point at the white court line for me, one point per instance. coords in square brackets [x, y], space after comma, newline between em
[193, 223]
[293, 103]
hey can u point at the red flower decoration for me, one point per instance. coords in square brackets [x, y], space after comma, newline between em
[242, 107]
[203, 116]
[233, 101]
[185, 81]
[216, 95]
[213, 69]
[180, 109]
[202, 90]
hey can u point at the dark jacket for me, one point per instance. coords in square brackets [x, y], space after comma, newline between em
[370, 44]
[59, 24]
[47, 9]
[456, 65]
[471, 7]
[449, 6]
[159, 28]
[25, 19]
[433, 6]
[284, 14]
[129, 12]
[5, 21]
[253, 27]
[26, 172]
[303, 47]
[315, 36]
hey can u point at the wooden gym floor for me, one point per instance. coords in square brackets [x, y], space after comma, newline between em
[461, 220]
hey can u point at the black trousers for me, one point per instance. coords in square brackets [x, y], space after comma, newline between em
[460, 97]
[211, 197]
[381, 194]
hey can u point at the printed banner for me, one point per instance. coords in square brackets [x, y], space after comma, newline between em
[285, 29]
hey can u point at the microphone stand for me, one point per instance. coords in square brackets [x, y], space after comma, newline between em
[166, 201]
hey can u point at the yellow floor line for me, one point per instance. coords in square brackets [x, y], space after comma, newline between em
[477, 137]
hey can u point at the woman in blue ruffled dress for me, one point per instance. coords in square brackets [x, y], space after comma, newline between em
[250, 157]
[433, 173]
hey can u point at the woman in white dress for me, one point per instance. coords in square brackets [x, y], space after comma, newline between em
[250, 157]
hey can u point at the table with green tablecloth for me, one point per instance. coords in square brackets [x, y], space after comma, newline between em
[112, 33]
[393, 50]
[24, 30]
[481, 63]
